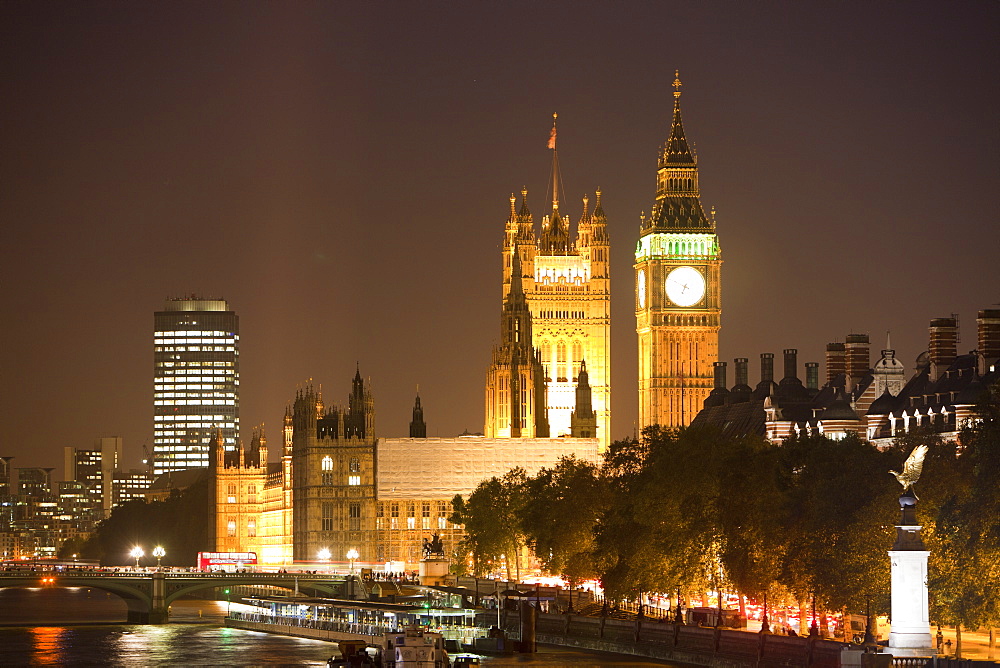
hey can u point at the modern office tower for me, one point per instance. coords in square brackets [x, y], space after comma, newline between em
[128, 485]
[196, 372]
[95, 469]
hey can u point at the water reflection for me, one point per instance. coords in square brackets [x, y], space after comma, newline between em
[48, 641]
[86, 628]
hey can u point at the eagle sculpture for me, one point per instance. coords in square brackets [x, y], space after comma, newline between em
[911, 467]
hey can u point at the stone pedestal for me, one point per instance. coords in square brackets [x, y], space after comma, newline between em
[433, 570]
[910, 633]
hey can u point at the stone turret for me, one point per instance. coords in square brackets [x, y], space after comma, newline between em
[417, 427]
[583, 421]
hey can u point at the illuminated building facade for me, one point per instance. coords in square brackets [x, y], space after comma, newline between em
[515, 382]
[333, 474]
[566, 284]
[96, 469]
[678, 306]
[237, 478]
[876, 402]
[196, 381]
[337, 487]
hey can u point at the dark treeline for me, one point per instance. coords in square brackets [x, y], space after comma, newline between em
[179, 525]
[813, 517]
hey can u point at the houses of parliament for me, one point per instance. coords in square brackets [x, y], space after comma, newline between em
[339, 486]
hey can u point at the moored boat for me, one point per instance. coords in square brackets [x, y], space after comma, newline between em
[413, 647]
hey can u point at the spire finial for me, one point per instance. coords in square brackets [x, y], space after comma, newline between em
[513, 208]
[677, 84]
[555, 164]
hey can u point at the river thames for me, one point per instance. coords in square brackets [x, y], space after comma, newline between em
[85, 627]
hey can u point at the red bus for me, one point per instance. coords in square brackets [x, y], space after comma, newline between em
[227, 561]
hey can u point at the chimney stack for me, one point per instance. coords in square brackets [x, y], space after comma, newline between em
[791, 364]
[943, 345]
[720, 375]
[742, 373]
[812, 375]
[836, 361]
[767, 367]
[858, 360]
[988, 325]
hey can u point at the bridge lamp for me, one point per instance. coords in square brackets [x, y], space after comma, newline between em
[159, 553]
[137, 553]
[352, 554]
[324, 554]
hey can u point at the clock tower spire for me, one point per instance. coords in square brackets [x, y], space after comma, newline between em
[678, 304]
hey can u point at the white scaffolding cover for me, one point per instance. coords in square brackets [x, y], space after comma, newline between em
[440, 468]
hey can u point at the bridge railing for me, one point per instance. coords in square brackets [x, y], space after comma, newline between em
[171, 576]
[318, 624]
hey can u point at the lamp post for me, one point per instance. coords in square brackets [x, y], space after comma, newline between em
[352, 554]
[159, 553]
[814, 628]
[869, 640]
[324, 556]
[137, 553]
[764, 626]
[679, 617]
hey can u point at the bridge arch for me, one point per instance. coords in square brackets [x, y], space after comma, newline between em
[149, 595]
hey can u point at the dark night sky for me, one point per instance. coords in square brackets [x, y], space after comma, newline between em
[340, 173]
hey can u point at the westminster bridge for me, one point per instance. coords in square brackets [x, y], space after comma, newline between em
[148, 595]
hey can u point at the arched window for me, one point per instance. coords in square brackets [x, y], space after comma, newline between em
[355, 465]
[561, 372]
[327, 464]
[577, 356]
[546, 350]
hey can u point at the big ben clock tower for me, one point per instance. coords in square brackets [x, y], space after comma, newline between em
[677, 289]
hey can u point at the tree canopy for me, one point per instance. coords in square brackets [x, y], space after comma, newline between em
[812, 517]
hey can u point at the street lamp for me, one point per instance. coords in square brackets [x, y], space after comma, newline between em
[764, 626]
[137, 553]
[159, 553]
[352, 554]
[324, 556]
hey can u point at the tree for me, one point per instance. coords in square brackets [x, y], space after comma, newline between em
[562, 507]
[179, 525]
[491, 517]
[841, 510]
[964, 569]
[660, 530]
[753, 515]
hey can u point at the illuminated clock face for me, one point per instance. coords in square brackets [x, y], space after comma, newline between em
[642, 288]
[685, 286]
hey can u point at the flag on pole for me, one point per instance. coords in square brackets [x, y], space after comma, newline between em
[552, 135]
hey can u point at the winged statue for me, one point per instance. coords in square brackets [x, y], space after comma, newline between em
[911, 468]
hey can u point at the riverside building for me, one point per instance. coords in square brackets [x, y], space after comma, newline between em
[338, 487]
[564, 281]
[678, 303]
